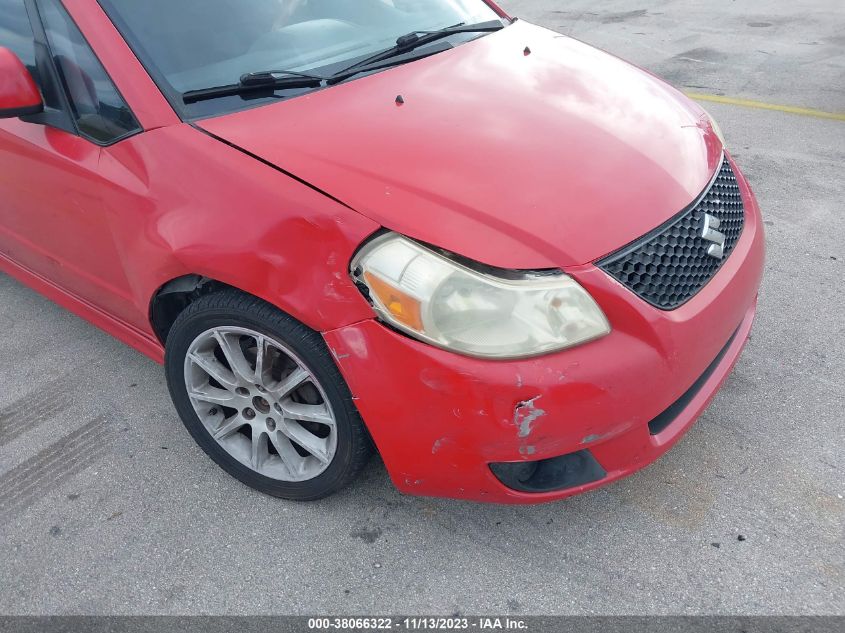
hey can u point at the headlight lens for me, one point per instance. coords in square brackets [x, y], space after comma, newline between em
[450, 305]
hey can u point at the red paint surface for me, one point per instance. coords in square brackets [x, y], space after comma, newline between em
[554, 159]
[547, 160]
[17, 89]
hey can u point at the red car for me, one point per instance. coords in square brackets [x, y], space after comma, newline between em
[516, 266]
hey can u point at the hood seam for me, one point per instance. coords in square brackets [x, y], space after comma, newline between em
[275, 167]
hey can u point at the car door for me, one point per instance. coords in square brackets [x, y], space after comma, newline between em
[52, 218]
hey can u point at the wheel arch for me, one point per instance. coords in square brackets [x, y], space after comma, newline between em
[174, 296]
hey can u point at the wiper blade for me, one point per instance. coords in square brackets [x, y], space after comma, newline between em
[395, 60]
[272, 76]
[404, 51]
[271, 80]
[415, 39]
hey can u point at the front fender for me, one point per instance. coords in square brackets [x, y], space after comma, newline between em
[190, 204]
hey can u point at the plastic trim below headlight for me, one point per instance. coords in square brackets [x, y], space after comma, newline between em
[448, 304]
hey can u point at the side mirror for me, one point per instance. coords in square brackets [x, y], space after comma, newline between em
[19, 95]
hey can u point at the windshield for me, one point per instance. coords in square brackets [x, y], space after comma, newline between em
[192, 45]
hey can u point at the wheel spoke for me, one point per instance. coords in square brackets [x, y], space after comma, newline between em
[308, 413]
[234, 356]
[316, 446]
[228, 427]
[215, 370]
[291, 460]
[260, 351]
[259, 449]
[213, 396]
[296, 378]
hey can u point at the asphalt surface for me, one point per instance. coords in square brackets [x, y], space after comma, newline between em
[108, 506]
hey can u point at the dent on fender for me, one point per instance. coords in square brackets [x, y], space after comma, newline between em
[283, 225]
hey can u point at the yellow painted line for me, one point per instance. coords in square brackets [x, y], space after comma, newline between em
[761, 105]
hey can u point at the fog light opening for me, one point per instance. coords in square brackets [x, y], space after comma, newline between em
[548, 475]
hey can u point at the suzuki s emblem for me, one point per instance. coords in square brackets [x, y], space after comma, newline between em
[709, 233]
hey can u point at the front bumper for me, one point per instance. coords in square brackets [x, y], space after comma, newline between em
[440, 419]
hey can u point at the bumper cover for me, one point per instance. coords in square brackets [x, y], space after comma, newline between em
[440, 419]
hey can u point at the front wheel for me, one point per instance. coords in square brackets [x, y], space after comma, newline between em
[260, 394]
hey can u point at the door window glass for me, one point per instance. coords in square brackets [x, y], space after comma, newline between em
[16, 32]
[100, 112]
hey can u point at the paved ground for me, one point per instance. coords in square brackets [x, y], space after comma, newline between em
[111, 508]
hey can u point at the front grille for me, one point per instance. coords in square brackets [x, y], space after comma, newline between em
[670, 265]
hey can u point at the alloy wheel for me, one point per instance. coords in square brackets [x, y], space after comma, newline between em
[261, 403]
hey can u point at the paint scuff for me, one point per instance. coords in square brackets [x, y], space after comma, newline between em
[338, 357]
[525, 414]
[439, 444]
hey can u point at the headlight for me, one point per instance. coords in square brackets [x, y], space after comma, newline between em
[716, 129]
[447, 304]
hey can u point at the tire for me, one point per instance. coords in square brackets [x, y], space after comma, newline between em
[205, 353]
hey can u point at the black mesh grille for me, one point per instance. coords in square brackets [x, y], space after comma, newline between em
[670, 265]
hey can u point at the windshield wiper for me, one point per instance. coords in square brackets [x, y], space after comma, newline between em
[404, 51]
[410, 41]
[394, 60]
[271, 80]
[272, 76]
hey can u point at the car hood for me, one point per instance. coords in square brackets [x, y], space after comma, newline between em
[521, 149]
